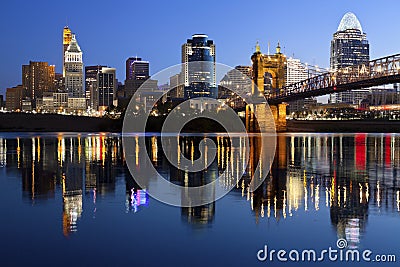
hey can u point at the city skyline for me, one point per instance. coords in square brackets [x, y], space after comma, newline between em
[45, 39]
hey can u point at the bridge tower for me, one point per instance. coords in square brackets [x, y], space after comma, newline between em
[269, 76]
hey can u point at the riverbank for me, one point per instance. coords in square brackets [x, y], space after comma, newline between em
[26, 122]
[345, 126]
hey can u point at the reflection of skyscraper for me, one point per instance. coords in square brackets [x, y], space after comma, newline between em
[72, 183]
[349, 211]
[199, 79]
[72, 210]
[349, 47]
[37, 169]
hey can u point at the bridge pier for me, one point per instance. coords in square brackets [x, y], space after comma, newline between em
[278, 114]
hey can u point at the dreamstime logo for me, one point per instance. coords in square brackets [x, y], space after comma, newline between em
[341, 254]
[198, 78]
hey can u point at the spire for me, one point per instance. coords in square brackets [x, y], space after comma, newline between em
[257, 47]
[278, 48]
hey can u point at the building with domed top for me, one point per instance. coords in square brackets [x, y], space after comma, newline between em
[349, 47]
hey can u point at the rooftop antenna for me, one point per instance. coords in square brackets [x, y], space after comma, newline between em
[268, 47]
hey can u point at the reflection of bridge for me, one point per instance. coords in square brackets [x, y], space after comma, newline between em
[376, 72]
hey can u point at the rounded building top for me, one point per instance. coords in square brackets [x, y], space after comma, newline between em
[199, 35]
[349, 21]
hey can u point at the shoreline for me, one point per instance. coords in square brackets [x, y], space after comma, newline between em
[344, 126]
[26, 122]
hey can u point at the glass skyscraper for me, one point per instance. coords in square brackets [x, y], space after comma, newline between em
[349, 47]
[199, 78]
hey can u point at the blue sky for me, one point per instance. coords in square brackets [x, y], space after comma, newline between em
[111, 31]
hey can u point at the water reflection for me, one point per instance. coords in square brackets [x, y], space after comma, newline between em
[351, 176]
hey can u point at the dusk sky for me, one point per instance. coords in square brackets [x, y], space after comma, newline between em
[111, 31]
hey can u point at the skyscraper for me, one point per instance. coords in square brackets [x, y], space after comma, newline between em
[67, 37]
[14, 97]
[349, 47]
[107, 87]
[199, 79]
[91, 85]
[137, 72]
[101, 86]
[296, 72]
[74, 70]
[136, 68]
[177, 88]
[37, 78]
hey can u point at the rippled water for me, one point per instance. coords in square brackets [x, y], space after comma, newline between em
[69, 200]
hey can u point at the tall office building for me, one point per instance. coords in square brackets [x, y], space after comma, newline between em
[14, 97]
[199, 79]
[101, 86]
[238, 79]
[137, 72]
[296, 72]
[136, 68]
[107, 87]
[91, 85]
[67, 37]
[37, 78]
[74, 70]
[349, 47]
[176, 86]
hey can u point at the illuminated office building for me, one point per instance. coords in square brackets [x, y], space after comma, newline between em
[101, 86]
[137, 72]
[67, 37]
[91, 85]
[296, 72]
[74, 70]
[14, 98]
[199, 79]
[37, 78]
[177, 88]
[106, 87]
[349, 47]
